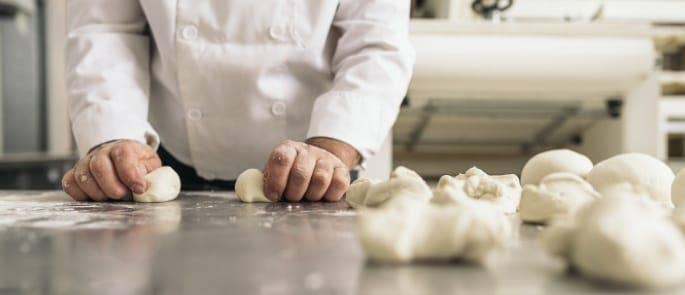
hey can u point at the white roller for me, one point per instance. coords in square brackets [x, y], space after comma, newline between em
[515, 64]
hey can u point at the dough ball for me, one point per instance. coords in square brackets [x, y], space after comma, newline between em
[163, 185]
[503, 191]
[250, 187]
[678, 217]
[408, 229]
[635, 174]
[678, 189]
[403, 183]
[553, 161]
[624, 241]
[559, 194]
[356, 193]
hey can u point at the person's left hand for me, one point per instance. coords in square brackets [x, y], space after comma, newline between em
[316, 170]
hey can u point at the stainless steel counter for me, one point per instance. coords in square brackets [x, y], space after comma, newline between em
[210, 243]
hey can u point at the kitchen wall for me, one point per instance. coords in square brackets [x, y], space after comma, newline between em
[22, 90]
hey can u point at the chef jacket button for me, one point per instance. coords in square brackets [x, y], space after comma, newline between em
[278, 33]
[189, 33]
[278, 108]
[194, 114]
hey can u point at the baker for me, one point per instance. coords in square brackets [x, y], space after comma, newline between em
[307, 89]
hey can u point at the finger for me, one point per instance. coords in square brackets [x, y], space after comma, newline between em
[86, 182]
[101, 167]
[130, 170]
[148, 157]
[339, 184]
[70, 187]
[300, 174]
[151, 162]
[321, 179]
[277, 170]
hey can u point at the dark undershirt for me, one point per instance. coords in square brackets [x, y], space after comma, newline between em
[190, 180]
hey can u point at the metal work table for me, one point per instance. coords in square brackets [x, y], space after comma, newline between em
[210, 243]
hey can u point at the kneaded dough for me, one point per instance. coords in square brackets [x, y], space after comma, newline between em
[621, 240]
[408, 229]
[678, 217]
[163, 185]
[559, 194]
[503, 191]
[634, 174]
[403, 183]
[356, 193]
[562, 160]
[678, 189]
[250, 187]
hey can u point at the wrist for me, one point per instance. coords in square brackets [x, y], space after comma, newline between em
[345, 152]
[101, 144]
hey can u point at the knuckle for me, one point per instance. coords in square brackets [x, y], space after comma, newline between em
[319, 178]
[299, 174]
[82, 175]
[282, 156]
[120, 150]
[339, 184]
[129, 179]
[98, 166]
[154, 162]
[326, 165]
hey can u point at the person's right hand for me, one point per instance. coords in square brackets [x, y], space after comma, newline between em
[111, 171]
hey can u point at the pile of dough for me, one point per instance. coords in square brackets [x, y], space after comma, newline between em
[633, 174]
[250, 187]
[553, 161]
[408, 229]
[559, 194]
[163, 185]
[621, 240]
[403, 183]
[678, 189]
[678, 216]
[504, 191]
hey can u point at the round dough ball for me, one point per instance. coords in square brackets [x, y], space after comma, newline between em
[558, 195]
[553, 161]
[678, 189]
[250, 187]
[163, 185]
[622, 240]
[636, 174]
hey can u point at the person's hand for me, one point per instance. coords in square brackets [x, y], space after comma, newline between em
[111, 171]
[316, 170]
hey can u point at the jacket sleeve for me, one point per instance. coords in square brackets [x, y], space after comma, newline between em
[107, 72]
[372, 66]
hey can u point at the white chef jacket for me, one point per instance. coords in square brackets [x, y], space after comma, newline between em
[222, 82]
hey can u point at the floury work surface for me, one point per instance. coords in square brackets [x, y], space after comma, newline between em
[210, 243]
